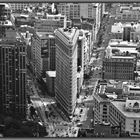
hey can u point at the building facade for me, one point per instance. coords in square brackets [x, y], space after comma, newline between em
[12, 73]
[128, 13]
[66, 69]
[125, 114]
[50, 23]
[18, 6]
[119, 68]
[43, 53]
[101, 105]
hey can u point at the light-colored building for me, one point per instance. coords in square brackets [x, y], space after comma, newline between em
[127, 31]
[124, 46]
[131, 89]
[50, 23]
[66, 69]
[126, 114]
[128, 13]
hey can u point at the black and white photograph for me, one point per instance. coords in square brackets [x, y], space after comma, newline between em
[69, 69]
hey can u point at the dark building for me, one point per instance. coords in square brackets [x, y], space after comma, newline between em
[119, 68]
[12, 71]
[126, 34]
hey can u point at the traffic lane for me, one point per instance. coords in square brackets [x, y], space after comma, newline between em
[40, 109]
[87, 123]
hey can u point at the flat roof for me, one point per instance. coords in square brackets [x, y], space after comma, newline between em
[130, 50]
[120, 106]
[45, 35]
[6, 23]
[122, 43]
[51, 73]
[24, 15]
[124, 57]
[117, 28]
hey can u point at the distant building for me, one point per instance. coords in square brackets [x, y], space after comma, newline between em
[119, 46]
[77, 11]
[18, 6]
[119, 68]
[50, 23]
[127, 31]
[66, 69]
[128, 13]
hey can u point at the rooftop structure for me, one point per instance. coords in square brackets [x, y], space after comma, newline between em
[123, 108]
[51, 73]
[121, 43]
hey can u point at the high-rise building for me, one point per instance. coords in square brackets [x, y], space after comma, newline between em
[12, 71]
[66, 69]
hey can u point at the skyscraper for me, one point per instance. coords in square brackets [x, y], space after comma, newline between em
[12, 70]
[66, 69]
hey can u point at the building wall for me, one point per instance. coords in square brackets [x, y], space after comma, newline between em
[119, 69]
[13, 77]
[52, 54]
[101, 110]
[50, 83]
[116, 118]
[66, 71]
[128, 124]
[50, 23]
[18, 6]
[129, 15]
[133, 125]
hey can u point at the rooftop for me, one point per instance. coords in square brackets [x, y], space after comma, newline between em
[6, 23]
[44, 35]
[120, 105]
[51, 73]
[117, 28]
[121, 43]
[69, 33]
